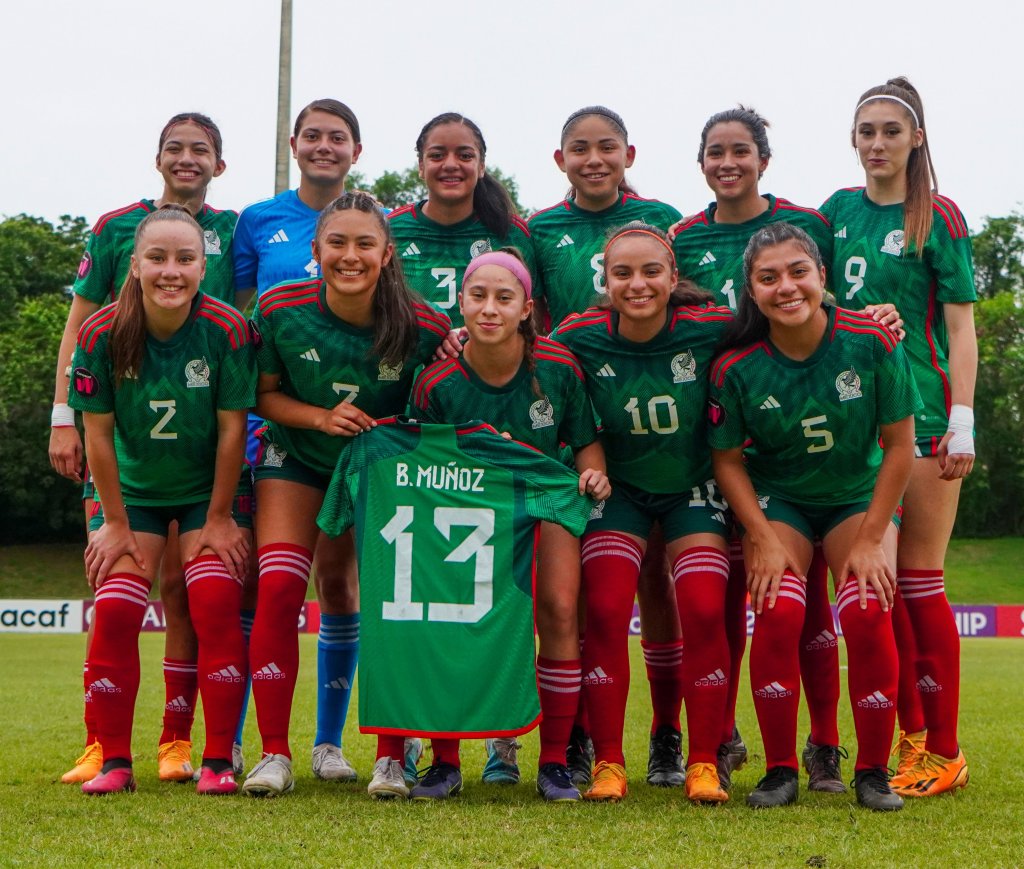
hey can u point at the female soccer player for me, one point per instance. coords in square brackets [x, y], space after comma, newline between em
[811, 386]
[333, 354]
[466, 213]
[272, 245]
[568, 240]
[646, 354]
[897, 240]
[189, 157]
[532, 389]
[164, 377]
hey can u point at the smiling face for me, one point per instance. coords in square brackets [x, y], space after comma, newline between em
[352, 248]
[885, 137]
[595, 157]
[325, 148]
[169, 263]
[639, 278]
[451, 165]
[786, 284]
[188, 161]
[731, 163]
[493, 304]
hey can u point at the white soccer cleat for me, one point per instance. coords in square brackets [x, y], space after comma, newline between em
[271, 777]
[329, 764]
[388, 781]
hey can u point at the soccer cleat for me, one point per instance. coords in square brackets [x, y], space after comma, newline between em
[438, 782]
[502, 767]
[271, 777]
[216, 784]
[822, 765]
[732, 755]
[413, 753]
[579, 757]
[118, 779]
[555, 785]
[665, 758]
[388, 782]
[87, 767]
[702, 784]
[873, 790]
[175, 761]
[931, 775]
[237, 760]
[909, 748]
[609, 783]
[779, 787]
[329, 764]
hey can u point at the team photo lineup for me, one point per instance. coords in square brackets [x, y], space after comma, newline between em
[485, 438]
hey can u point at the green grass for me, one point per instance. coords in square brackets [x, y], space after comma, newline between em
[45, 823]
[977, 571]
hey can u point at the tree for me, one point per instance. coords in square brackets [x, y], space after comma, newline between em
[37, 257]
[395, 189]
[999, 256]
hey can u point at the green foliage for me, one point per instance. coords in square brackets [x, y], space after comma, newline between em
[395, 189]
[37, 257]
[999, 256]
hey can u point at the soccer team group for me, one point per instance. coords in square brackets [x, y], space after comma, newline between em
[752, 397]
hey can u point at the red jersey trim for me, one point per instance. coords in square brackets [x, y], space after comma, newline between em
[431, 376]
[786, 205]
[227, 318]
[95, 326]
[405, 209]
[120, 212]
[287, 295]
[564, 205]
[589, 317]
[723, 363]
[952, 216]
[552, 351]
[851, 321]
[680, 226]
[431, 320]
[521, 224]
[930, 337]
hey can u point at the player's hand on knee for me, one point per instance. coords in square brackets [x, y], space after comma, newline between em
[345, 420]
[112, 541]
[66, 452]
[222, 536]
[868, 565]
[595, 483]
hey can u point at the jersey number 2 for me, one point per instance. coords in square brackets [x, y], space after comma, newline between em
[403, 608]
[157, 432]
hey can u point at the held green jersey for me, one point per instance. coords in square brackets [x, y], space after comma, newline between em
[434, 256]
[322, 360]
[711, 254]
[165, 416]
[108, 252]
[445, 525]
[451, 391]
[568, 243]
[651, 397]
[871, 265]
[813, 424]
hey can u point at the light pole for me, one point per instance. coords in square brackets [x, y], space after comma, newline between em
[284, 99]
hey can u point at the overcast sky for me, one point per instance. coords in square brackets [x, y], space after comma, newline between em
[88, 86]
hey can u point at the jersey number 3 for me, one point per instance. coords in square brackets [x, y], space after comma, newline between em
[403, 608]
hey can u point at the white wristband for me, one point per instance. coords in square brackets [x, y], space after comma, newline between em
[61, 416]
[961, 424]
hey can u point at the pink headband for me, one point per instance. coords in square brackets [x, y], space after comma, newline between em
[506, 261]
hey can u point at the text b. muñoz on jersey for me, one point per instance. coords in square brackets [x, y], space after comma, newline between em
[322, 360]
[434, 256]
[569, 241]
[108, 252]
[711, 254]
[445, 524]
[872, 265]
[651, 397]
[814, 423]
[450, 391]
[165, 432]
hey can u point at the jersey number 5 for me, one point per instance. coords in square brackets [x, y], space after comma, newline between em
[827, 441]
[403, 608]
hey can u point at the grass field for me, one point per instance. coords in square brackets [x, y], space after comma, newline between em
[977, 571]
[45, 823]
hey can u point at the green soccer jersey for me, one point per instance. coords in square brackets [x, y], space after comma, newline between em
[813, 424]
[450, 391]
[568, 243]
[651, 397]
[322, 360]
[165, 416]
[711, 254]
[445, 523]
[872, 266]
[434, 256]
[108, 252]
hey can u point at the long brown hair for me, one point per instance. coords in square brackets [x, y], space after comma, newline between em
[128, 326]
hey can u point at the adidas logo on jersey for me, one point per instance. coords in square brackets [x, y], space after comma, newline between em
[928, 685]
[875, 701]
[270, 671]
[841, 233]
[773, 691]
[411, 250]
[339, 684]
[565, 241]
[277, 237]
[606, 371]
[824, 640]
[713, 680]
[707, 259]
[598, 676]
[178, 704]
[104, 686]
[310, 355]
[770, 403]
[227, 674]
